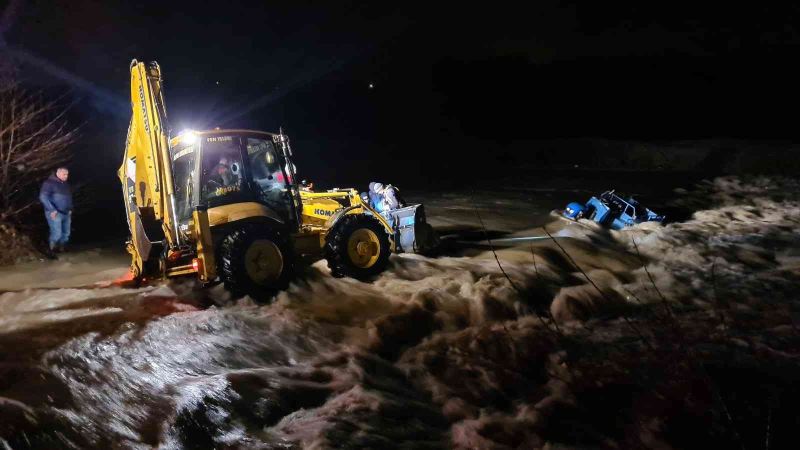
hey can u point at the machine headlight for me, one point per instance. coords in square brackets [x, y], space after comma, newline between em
[188, 137]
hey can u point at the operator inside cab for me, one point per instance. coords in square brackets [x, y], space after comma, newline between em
[225, 176]
[222, 174]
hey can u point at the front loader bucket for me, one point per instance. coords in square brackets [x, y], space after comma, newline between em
[412, 233]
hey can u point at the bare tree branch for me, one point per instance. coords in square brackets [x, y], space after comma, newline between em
[34, 140]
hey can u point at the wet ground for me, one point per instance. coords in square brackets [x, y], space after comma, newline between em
[565, 342]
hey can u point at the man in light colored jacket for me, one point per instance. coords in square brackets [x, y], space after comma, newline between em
[383, 198]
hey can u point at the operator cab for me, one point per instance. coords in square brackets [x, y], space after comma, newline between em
[224, 167]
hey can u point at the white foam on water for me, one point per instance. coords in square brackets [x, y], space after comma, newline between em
[443, 352]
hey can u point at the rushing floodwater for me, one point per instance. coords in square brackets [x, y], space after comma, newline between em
[436, 353]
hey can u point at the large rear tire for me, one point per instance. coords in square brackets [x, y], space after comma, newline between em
[256, 261]
[357, 247]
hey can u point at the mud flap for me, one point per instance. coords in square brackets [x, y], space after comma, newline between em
[412, 232]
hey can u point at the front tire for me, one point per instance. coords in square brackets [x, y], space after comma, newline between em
[357, 247]
[255, 260]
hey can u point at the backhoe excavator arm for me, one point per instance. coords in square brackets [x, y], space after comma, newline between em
[146, 171]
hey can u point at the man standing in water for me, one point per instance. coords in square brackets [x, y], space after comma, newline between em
[56, 197]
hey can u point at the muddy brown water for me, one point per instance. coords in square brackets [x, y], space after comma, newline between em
[410, 359]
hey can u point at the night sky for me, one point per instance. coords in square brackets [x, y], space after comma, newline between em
[388, 89]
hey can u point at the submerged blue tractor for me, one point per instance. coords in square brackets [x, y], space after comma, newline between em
[611, 210]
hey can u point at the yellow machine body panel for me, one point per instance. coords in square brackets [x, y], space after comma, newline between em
[221, 215]
[309, 242]
[318, 211]
[322, 209]
[207, 264]
[146, 171]
[146, 150]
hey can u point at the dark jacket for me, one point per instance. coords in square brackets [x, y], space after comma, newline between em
[56, 195]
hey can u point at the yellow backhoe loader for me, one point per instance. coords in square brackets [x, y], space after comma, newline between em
[225, 205]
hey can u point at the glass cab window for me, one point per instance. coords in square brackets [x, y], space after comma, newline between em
[269, 177]
[222, 168]
[238, 168]
[183, 170]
